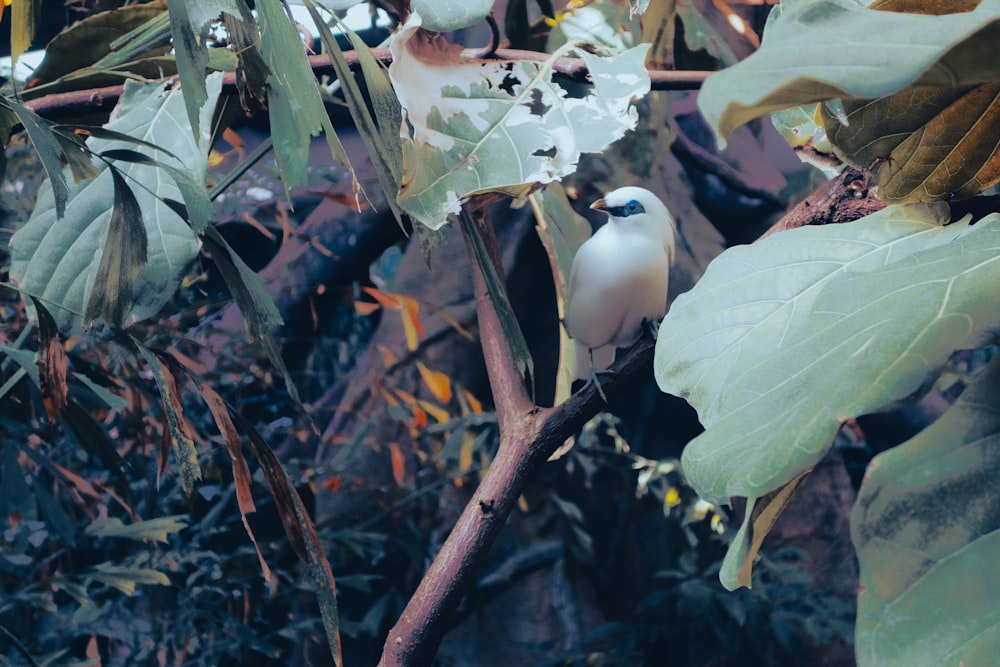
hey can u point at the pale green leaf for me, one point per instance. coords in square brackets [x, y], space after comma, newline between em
[482, 126]
[782, 340]
[57, 260]
[448, 15]
[926, 526]
[158, 530]
[828, 49]
[126, 579]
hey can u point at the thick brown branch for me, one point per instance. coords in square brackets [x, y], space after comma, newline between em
[528, 436]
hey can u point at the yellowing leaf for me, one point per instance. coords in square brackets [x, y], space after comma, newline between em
[924, 144]
[158, 529]
[440, 415]
[437, 382]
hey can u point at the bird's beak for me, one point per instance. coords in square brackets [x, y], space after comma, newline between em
[599, 205]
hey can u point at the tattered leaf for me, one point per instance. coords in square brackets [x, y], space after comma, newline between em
[182, 437]
[158, 530]
[924, 144]
[782, 340]
[58, 260]
[659, 26]
[605, 24]
[301, 533]
[123, 256]
[52, 363]
[835, 49]
[189, 42]
[490, 126]
[927, 530]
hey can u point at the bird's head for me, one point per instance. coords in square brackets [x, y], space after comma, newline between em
[638, 207]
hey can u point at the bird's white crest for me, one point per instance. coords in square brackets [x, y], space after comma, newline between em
[619, 277]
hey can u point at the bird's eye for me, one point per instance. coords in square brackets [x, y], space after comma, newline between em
[634, 207]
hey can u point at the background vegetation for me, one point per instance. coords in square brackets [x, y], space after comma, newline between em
[281, 386]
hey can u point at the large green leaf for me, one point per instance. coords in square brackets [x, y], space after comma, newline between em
[489, 126]
[927, 531]
[782, 340]
[815, 50]
[58, 260]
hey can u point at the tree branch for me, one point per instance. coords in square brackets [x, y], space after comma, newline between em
[528, 437]
[73, 103]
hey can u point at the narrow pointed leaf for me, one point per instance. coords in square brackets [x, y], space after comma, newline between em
[52, 363]
[301, 533]
[124, 255]
[24, 16]
[182, 438]
[192, 60]
[48, 149]
[158, 530]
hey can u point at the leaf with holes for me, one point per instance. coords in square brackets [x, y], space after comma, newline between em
[491, 126]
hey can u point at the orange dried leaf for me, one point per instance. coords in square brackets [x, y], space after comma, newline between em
[474, 405]
[465, 452]
[365, 307]
[410, 331]
[389, 357]
[440, 414]
[234, 446]
[419, 421]
[398, 463]
[385, 298]
[332, 484]
[437, 382]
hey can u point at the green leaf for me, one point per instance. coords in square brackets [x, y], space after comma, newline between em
[489, 126]
[126, 579]
[782, 340]
[925, 144]
[926, 527]
[448, 15]
[58, 260]
[296, 109]
[122, 258]
[816, 50]
[49, 152]
[192, 60]
[387, 161]
[158, 530]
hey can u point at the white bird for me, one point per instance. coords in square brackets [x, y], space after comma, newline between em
[619, 277]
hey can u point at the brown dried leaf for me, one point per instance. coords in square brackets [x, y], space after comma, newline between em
[51, 363]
